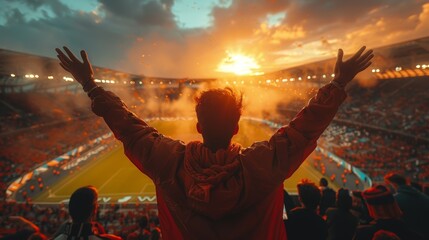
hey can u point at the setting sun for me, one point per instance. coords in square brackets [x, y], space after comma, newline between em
[238, 64]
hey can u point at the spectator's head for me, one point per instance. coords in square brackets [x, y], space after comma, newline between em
[309, 194]
[323, 182]
[143, 221]
[83, 204]
[344, 200]
[385, 235]
[218, 112]
[395, 180]
[380, 203]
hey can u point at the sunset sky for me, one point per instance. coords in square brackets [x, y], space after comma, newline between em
[206, 38]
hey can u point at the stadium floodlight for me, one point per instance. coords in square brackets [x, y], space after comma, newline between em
[50, 77]
[300, 78]
[12, 75]
[284, 80]
[333, 75]
[292, 79]
[323, 76]
[424, 66]
[308, 77]
[398, 69]
[417, 66]
[36, 76]
[27, 76]
[268, 81]
[31, 75]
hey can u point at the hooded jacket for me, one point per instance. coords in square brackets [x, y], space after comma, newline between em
[234, 193]
[415, 208]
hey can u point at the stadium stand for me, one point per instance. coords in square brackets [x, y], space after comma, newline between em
[380, 128]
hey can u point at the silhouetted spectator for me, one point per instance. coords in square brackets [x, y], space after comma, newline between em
[304, 222]
[413, 204]
[142, 233]
[83, 207]
[288, 201]
[341, 222]
[359, 208]
[328, 196]
[24, 228]
[386, 213]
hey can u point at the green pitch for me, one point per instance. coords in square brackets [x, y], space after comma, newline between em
[118, 179]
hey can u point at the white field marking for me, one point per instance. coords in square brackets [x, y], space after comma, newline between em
[146, 185]
[110, 179]
[69, 181]
[142, 190]
[311, 172]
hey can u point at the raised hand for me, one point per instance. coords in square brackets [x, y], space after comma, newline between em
[81, 71]
[347, 70]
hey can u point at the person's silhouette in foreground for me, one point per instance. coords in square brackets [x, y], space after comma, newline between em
[216, 189]
[83, 206]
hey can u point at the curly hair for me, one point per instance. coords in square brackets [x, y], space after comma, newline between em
[309, 194]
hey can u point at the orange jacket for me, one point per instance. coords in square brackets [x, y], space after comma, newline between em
[231, 194]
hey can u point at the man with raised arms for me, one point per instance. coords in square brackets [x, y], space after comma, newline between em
[216, 189]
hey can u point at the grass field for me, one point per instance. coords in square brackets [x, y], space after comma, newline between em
[117, 179]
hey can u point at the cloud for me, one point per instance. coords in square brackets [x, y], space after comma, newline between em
[143, 36]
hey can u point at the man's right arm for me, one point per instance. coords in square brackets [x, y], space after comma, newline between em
[143, 145]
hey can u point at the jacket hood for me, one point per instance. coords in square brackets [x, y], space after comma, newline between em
[212, 179]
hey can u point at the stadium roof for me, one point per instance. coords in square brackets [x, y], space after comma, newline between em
[406, 54]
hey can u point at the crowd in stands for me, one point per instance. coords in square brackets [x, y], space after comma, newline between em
[379, 128]
[32, 109]
[394, 104]
[394, 209]
[23, 151]
[120, 220]
[376, 152]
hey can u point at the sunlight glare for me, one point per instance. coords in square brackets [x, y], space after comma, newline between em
[238, 64]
